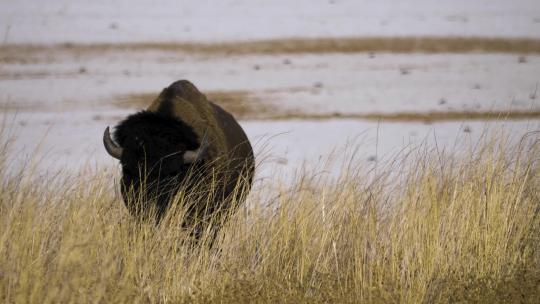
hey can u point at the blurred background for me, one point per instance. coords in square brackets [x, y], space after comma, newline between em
[305, 78]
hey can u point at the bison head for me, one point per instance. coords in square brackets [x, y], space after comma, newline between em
[156, 152]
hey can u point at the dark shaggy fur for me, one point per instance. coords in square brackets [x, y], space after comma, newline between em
[154, 142]
[153, 147]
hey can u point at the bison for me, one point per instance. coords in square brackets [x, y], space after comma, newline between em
[182, 142]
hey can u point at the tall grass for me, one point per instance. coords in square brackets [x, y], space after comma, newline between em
[426, 228]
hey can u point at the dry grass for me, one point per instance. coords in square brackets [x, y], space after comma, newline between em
[25, 53]
[423, 229]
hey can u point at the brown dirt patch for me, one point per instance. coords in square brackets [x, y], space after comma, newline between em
[252, 106]
[20, 53]
[13, 107]
[242, 104]
[426, 117]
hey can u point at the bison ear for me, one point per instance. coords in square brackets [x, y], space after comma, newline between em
[193, 156]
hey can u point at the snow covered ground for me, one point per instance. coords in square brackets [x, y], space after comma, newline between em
[73, 141]
[34, 21]
[327, 83]
[60, 104]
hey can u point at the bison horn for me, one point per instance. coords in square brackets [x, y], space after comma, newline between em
[194, 156]
[112, 148]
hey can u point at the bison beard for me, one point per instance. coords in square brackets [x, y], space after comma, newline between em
[182, 142]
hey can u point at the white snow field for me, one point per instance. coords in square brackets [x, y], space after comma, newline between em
[62, 102]
[49, 142]
[53, 21]
[326, 83]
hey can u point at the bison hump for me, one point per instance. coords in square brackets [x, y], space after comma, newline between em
[183, 101]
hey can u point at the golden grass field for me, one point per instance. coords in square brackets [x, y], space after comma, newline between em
[428, 227]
